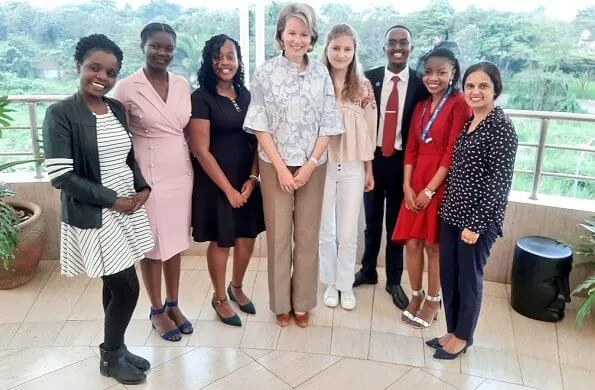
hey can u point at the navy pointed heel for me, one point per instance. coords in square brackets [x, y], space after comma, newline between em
[247, 308]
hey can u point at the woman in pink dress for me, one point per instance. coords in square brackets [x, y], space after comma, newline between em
[158, 106]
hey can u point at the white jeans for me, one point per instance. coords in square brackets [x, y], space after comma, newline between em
[341, 206]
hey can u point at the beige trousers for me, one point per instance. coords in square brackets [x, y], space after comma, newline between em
[290, 216]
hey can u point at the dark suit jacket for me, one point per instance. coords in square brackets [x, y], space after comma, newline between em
[416, 92]
[70, 132]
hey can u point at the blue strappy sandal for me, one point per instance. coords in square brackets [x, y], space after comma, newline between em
[186, 326]
[170, 335]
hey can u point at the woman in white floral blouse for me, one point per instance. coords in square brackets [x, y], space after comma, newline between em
[293, 114]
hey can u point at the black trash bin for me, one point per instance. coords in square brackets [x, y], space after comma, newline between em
[540, 270]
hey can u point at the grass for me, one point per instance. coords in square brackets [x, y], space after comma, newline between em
[559, 161]
[590, 95]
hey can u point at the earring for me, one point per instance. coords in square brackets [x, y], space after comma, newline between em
[450, 83]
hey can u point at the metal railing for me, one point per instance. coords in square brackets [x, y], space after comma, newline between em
[541, 145]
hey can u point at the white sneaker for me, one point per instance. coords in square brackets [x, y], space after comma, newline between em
[331, 296]
[348, 301]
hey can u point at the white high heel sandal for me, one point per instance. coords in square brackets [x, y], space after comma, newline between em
[407, 316]
[420, 323]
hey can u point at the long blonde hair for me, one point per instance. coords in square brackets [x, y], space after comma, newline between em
[353, 80]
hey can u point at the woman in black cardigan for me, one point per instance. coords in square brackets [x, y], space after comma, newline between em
[472, 210]
[105, 228]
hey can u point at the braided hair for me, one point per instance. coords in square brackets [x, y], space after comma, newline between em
[153, 28]
[206, 74]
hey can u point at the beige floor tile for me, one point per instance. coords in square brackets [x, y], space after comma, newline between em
[250, 377]
[386, 318]
[6, 352]
[38, 362]
[542, 374]
[488, 363]
[577, 378]
[256, 353]
[399, 349]
[48, 265]
[81, 375]
[313, 339]
[89, 305]
[260, 335]
[260, 298]
[215, 334]
[490, 384]
[78, 333]
[16, 303]
[439, 364]
[494, 289]
[535, 338]
[196, 369]
[36, 334]
[460, 381]
[349, 374]
[494, 328]
[160, 355]
[573, 342]
[419, 379]
[361, 316]
[7, 332]
[353, 343]
[57, 299]
[194, 285]
[296, 367]
[194, 262]
[117, 387]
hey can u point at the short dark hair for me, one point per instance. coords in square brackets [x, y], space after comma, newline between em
[95, 42]
[443, 52]
[491, 70]
[401, 27]
[153, 28]
[206, 75]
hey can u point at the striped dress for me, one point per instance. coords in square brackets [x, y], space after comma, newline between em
[123, 238]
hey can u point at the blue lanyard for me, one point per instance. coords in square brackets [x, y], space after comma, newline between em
[426, 129]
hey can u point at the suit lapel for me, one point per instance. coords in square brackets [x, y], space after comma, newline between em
[150, 95]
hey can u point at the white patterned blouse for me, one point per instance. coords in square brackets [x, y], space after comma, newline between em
[294, 107]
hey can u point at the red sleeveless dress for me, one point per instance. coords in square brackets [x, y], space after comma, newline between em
[426, 158]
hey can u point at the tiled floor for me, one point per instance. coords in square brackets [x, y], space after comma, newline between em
[49, 330]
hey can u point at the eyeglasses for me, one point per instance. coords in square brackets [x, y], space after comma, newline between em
[397, 42]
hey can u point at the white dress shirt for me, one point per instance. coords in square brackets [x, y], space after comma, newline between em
[387, 87]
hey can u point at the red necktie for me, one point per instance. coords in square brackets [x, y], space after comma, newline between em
[389, 132]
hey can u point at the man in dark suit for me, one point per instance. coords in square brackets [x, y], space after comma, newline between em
[397, 89]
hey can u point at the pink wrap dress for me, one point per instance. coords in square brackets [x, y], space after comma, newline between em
[162, 152]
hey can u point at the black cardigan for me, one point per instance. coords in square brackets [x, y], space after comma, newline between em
[70, 134]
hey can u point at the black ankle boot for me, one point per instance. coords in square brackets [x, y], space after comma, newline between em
[115, 365]
[137, 361]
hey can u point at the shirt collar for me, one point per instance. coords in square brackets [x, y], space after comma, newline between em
[403, 75]
[290, 65]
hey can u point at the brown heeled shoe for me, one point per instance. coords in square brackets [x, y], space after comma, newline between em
[283, 320]
[301, 320]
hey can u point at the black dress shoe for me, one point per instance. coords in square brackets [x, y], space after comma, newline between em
[362, 278]
[399, 297]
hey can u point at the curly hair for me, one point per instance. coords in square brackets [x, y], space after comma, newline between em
[95, 42]
[153, 28]
[206, 74]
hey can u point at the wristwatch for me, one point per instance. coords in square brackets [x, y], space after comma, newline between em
[254, 178]
[429, 193]
[314, 160]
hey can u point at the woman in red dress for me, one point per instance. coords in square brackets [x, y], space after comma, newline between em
[435, 125]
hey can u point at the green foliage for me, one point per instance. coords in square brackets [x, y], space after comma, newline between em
[585, 247]
[8, 216]
[543, 91]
